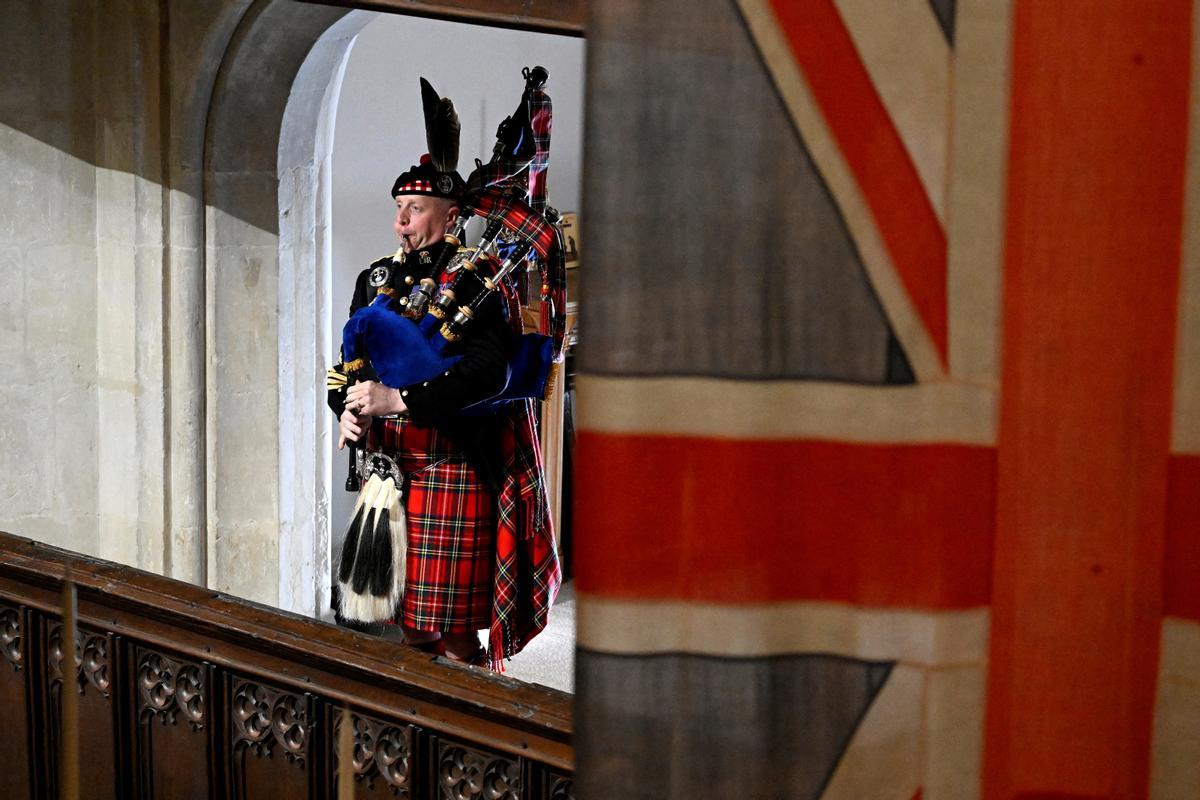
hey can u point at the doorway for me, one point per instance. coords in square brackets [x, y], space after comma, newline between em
[358, 116]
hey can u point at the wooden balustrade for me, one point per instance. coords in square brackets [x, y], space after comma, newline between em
[187, 693]
[549, 16]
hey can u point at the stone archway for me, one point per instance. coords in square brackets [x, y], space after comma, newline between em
[262, 191]
[306, 339]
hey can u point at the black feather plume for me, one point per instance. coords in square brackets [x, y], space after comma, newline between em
[441, 128]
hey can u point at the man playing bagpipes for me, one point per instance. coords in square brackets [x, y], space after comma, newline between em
[451, 530]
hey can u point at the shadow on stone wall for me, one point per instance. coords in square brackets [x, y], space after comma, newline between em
[162, 89]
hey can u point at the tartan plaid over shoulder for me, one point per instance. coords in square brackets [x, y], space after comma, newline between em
[527, 575]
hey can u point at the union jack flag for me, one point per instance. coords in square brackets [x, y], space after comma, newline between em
[883, 458]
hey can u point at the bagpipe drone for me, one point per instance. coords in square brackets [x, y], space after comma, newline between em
[404, 340]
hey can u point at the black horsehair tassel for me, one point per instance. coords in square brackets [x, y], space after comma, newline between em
[381, 554]
[350, 543]
[441, 128]
[371, 568]
[354, 563]
[363, 565]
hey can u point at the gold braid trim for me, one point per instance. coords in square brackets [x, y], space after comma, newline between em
[552, 378]
[353, 366]
[389, 291]
[335, 379]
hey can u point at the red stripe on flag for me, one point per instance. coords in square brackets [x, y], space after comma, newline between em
[1181, 578]
[1097, 154]
[875, 152]
[735, 521]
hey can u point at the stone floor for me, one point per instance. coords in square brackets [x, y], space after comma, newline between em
[550, 658]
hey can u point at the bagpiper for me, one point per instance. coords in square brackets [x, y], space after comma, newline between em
[437, 388]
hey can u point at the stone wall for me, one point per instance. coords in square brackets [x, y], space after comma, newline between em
[138, 261]
[81, 237]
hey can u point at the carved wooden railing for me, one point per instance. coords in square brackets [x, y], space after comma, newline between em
[548, 16]
[187, 693]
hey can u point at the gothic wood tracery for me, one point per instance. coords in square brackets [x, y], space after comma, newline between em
[264, 717]
[467, 774]
[562, 787]
[382, 751]
[173, 699]
[168, 688]
[91, 656]
[11, 636]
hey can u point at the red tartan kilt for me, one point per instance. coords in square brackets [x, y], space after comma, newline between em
[451, 530]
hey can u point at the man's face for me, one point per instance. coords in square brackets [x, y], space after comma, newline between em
[422, 220]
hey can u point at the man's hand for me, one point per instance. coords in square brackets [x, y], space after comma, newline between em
[374, 399]
[352, 427]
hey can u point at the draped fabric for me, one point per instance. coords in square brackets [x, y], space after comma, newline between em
[528, 170]
[889, 441]
[527, 572]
